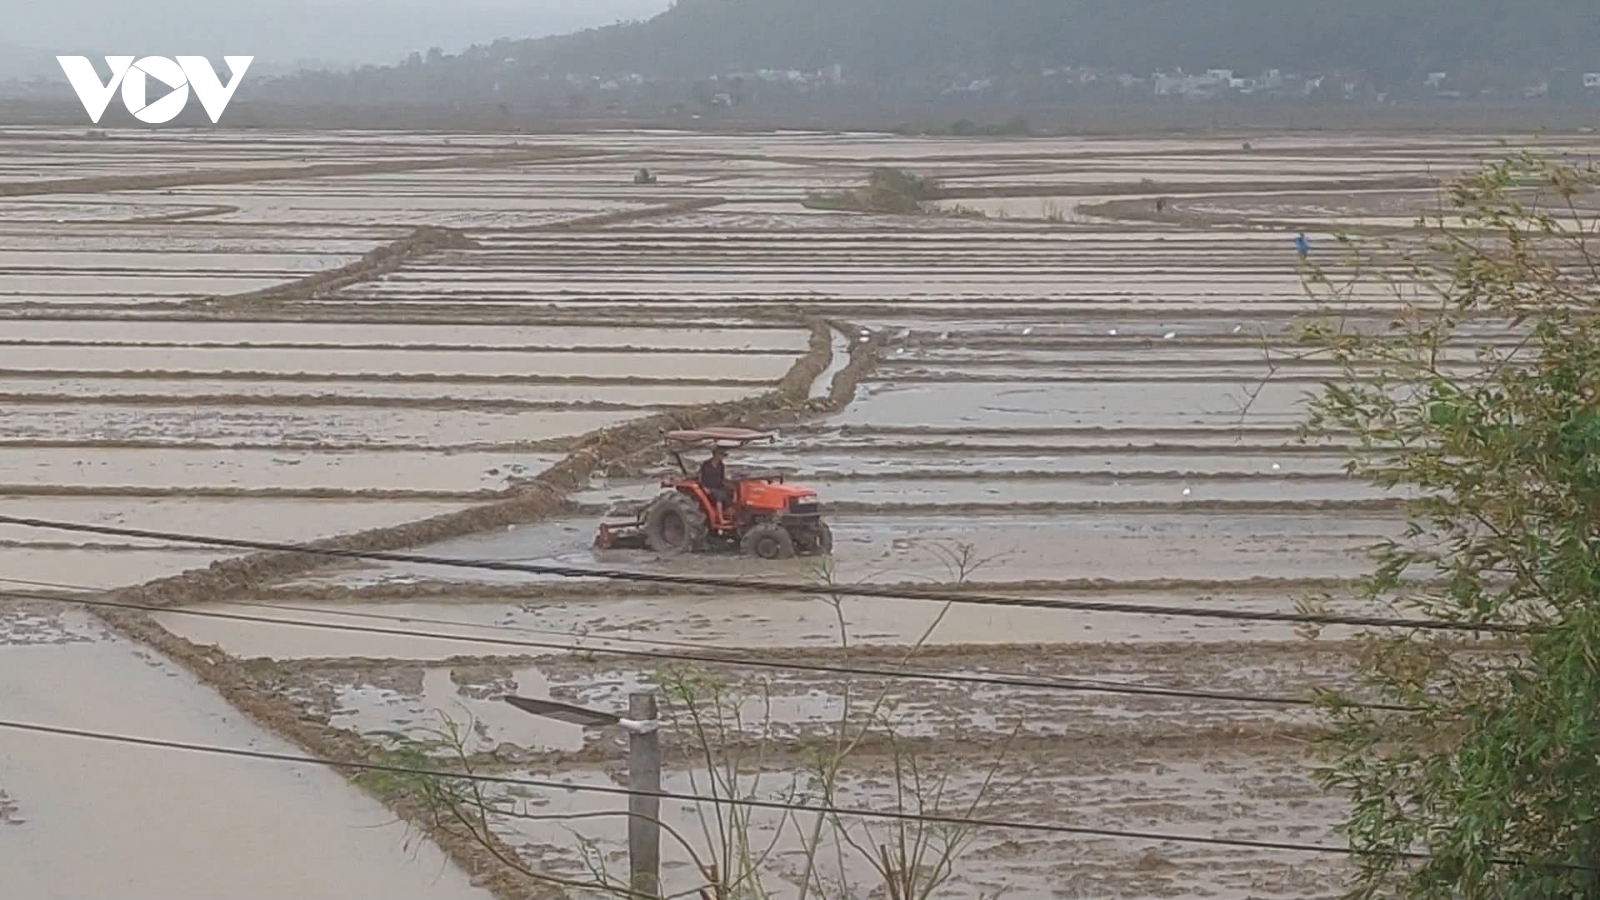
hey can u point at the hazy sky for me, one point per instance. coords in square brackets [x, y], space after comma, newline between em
[285, 30]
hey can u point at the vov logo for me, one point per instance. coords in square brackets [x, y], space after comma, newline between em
[134, 78]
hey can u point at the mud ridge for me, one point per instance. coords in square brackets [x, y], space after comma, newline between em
[109, 183]
[373, 264]
[205, 213]
[620, 217]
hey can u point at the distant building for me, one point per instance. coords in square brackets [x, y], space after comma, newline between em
[1591, 80]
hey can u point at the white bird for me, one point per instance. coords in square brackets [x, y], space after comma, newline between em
[511, 528]
[1169, 335]
[1276, 467]
[1187, 492]
[945, 336]
[865, 339]
[578, 715]
[1027, 331]
[1238, 328]
[1112, 332]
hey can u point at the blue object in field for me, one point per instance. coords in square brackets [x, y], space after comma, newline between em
[1301, 244]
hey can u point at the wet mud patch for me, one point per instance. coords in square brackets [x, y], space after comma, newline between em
[26, 622]
[1270, 798]
[892, 548]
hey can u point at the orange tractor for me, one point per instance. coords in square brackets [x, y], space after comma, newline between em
[757, 513]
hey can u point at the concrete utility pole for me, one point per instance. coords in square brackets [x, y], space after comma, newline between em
[644, 776]
[644, 806]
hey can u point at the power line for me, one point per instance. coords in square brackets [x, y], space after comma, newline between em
[779, 587]
[50, 584]
[612, 790]
[724, 658]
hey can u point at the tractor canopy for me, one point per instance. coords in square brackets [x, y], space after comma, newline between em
[719, 437]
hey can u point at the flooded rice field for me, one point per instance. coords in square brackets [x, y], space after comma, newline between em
[165, 826]
[1053, 391]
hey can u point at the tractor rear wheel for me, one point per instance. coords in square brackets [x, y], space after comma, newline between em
[769, 540]
[675, 523]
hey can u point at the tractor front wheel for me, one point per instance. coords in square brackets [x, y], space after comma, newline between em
[815, 539]
[769, 540]
[824, 539]
[675, 523]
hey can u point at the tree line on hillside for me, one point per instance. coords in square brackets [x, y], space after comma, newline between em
[898, 42]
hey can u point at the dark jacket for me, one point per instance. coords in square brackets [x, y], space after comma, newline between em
[713, 477]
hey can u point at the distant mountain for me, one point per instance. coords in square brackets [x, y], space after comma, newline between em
[280, 31]
[885, 39]
[924, 50]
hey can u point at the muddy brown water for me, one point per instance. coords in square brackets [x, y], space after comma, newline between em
[719, 621]
[972, 489]
[289, 265]
[1254, 795]
[972, 298]
[299, 427]
[421, 333]
[792, 707]
[130, 285]
[35, 568]
[1127, 404]
[880, 458]
[890, 548]
[178, 469]
[360, 362]
[644, 396]
[264, 830]
[249, 519]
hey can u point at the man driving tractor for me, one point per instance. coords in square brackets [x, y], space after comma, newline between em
[706, 508]
[714, 476]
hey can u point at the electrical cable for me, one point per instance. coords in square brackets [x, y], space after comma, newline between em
[747, 802]
[727, 658]
[50, 584]
[778, 587]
